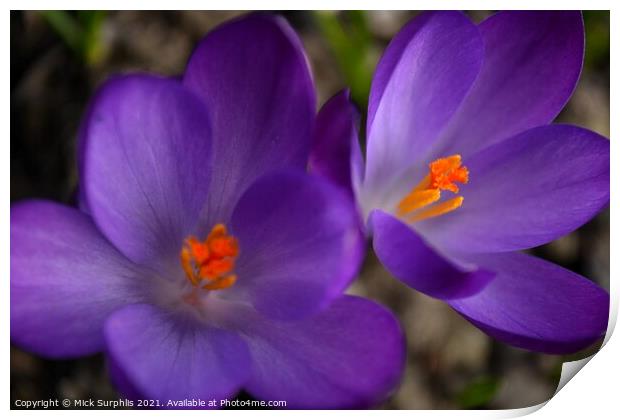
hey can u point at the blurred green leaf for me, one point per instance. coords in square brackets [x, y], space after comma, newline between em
[597, 39]
[478, 393]
[351, 42]
[92, 21]
[66, 27]
[81, 31]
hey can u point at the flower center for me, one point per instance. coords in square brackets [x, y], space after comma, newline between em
[209, 264]
[421, 202]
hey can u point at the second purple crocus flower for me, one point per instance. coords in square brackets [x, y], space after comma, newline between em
[205, 261]
[462, 169]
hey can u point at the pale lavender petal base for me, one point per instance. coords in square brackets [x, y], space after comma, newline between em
[420, 81]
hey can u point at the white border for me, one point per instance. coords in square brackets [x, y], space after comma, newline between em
[593, 394]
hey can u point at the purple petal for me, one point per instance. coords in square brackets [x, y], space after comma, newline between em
[537, 305]
[254, 78]
[300, 243]
[336, 153]
[166, 355]
[527, 191]
[419, 83]
[121, 382]
[350, 355]
[145, 165]
[66, 278]
[411, 260]
[532, 62]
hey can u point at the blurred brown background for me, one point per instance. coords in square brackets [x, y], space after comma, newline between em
[58, 59]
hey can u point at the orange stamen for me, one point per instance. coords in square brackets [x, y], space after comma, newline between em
[444, 174]
[438, 209]
[418, 199]
[209, 264]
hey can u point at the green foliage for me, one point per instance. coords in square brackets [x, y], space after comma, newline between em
[80, 30]
[478, 393]
[597, 39]
[352, 44]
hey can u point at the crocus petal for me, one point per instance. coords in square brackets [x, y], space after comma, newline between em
[527, 191]
[336, 153]
[537, 305]
[411, 260]
[300, 243]
[172, 356]
[350, 355]
[419, 83]
[532, 61]
[254, 77]
[66, 278]
[121, 382]
[145, 165]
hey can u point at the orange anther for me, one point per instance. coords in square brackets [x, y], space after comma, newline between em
[216, 268]
[199, 250]
[444, 173]
[209, 264]
[224, 246]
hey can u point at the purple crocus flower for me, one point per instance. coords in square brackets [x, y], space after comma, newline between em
[463, 168]
[206, 261]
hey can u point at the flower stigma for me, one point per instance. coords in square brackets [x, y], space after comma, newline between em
[209, 264]
[422, 201]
